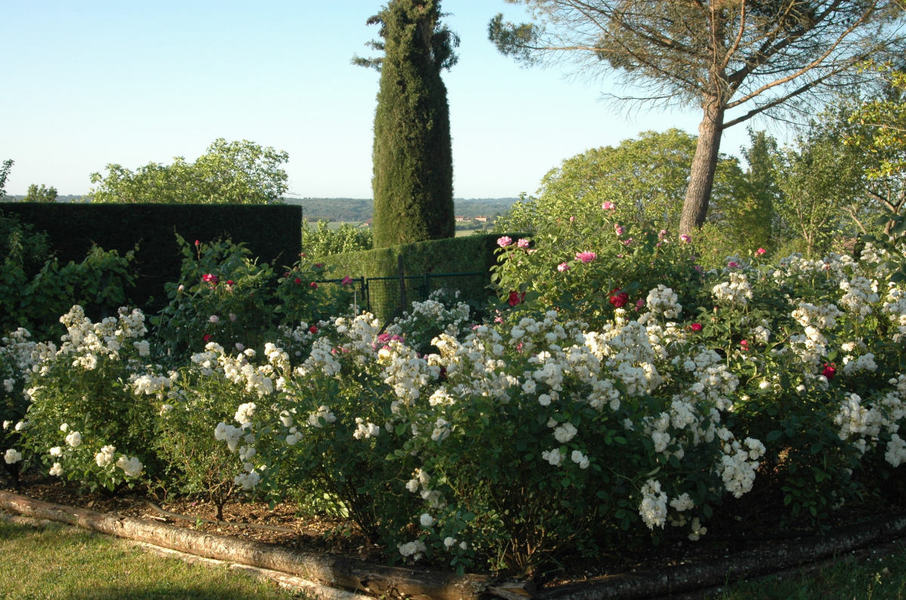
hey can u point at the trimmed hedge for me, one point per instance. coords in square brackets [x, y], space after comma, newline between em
[273, 233]
[461, 263]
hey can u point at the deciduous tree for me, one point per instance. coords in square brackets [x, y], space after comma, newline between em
[41, 194]
[237, 172]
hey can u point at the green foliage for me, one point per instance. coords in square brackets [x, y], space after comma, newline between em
[733, 64]
[589, 263]
[237, 172]
[5, 167]
[272, 232]
[85, 422]
[470, 254]
[413, 163]
[100, 283]
[35, 288]
[40, 194]
[225, 295]
[323, 240]
[747, 217]
[645, 179]
[318, 435]
[882, 125]
[197, 463]
[819, 180]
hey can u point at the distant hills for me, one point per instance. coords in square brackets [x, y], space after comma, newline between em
[357, 210]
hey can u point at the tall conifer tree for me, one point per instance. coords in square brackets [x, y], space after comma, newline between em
[413, 163]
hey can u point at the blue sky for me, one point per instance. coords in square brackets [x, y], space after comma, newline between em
[101, 81]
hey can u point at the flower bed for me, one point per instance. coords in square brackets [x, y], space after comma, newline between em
[551, 431]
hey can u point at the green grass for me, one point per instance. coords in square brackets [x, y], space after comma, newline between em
[876, 576]
[65, 563]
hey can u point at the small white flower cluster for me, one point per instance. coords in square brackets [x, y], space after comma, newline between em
[414, 550]
[863, 423]
[149, 384]
[12, 456]
[736, 292]
[653, 507]
[739, 463]
[132, 467]
[240, 371]
[895, 308]
[321, 417]
[419, 485]
[229, 434]
[105, 457]
[860, 294]
[664, 302]
[860, 364]
[365, 429]
[86, 341]
[435, 312]
[244, 413]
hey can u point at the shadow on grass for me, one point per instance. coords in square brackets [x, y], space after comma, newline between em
[160, 592]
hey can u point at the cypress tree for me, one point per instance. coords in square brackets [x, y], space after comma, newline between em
[413, 163]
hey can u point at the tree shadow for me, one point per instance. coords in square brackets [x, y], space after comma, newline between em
[162, 592]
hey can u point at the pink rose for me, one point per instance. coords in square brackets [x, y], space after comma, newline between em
[586, 257]
[523, 243]
[607, 206]
[563, 267]
[504, 241]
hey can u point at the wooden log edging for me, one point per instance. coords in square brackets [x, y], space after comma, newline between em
[334, 571]
[741, 565]
[325, 569]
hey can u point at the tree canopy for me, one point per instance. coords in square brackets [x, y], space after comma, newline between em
[236, 172]
[5, 167]
[643, 181]
[412, 157]
[41, 194]
[733, 59]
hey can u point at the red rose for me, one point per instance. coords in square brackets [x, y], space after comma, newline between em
[618, 298]
[829, 371]
[696, 327]
[297, 281]
[516, 298]
[313, 285]
[206, 337]
[313, 329]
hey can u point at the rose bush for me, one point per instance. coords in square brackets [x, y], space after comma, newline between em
[636, 412]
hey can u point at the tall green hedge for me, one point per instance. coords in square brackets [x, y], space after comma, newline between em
[272, 233]
[444, 261]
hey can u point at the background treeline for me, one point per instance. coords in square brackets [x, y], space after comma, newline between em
[352, 210]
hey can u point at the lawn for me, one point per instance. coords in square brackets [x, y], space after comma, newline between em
[56, 561]
[66, 563]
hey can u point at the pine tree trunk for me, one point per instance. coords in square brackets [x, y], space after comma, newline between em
[704, 163]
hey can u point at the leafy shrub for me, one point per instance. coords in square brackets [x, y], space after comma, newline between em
[589, 265]
[226, 296]
[88, 420]
[318, 433]
[202, 395]
[15, 364]
[322, 240]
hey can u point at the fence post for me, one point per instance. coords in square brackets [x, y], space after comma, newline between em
[402, 275]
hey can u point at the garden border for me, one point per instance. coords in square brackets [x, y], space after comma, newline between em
[338, 574]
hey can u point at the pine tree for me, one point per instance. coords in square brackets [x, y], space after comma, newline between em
[413, 163]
